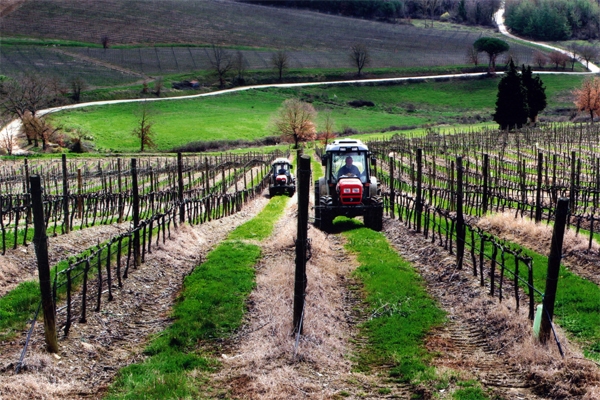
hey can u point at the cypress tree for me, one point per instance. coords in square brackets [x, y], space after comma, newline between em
[511, 104]
[536, 93]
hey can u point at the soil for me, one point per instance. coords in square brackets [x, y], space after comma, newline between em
[481, 340]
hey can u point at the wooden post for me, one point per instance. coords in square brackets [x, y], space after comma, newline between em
[419, 195]
[66, 227]
[301, 242]
[486, 172]
[538, 190]
[206, 177]
[223, 179]
[135, 213]
[40, 241]
[460, 222]
[392, 193]
[572, 186]
[180, 186]
[79, 193]
[562, 210]
[452, 194]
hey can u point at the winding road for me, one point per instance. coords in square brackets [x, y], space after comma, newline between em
[15, 126]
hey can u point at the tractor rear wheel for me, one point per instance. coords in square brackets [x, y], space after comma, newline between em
[323, 216]
[373, 217]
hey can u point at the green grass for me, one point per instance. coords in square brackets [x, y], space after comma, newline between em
[402, 310]
[261, 226]
[210, 306]
[248, 114]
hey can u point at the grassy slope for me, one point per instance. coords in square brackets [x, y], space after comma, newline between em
[247, 115]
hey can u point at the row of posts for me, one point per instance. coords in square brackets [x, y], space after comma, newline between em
[40, 240]
[562, 212]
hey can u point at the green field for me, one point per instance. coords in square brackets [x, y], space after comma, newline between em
[248, 114]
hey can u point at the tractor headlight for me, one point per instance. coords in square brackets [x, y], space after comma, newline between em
[346, 190]
[355, 190]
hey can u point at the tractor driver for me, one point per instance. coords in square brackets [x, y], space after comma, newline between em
[348, 168]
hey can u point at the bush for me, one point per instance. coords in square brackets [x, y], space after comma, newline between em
[361, 103]
[222, 145]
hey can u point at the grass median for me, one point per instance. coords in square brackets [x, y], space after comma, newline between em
[210, 307]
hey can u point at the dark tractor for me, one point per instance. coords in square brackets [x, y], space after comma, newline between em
[348, 187]
[282, 181]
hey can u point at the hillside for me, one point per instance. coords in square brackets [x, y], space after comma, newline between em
[313, 40]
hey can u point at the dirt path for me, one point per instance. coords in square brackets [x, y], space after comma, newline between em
[93, 352]
[263, 362]
[8, 6]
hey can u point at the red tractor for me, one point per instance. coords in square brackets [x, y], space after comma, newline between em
[282, 180]
[348, 187]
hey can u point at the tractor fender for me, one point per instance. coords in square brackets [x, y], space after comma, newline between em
[323, 187]
[373, 187]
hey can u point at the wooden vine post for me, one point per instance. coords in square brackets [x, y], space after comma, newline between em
[66, 227]
[572, 185]
[392, 192]
[460, 222]
[40, 241]
[135, 212]
[419, 197]
[538, 190]
[301, 241]
[180, 187]
[562, 211]
[486, 173]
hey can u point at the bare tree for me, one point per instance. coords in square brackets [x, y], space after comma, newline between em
[77, 86]
[24, 96]
[158, 85]
[558, 59]
[327, 134]
[588, 53]
[472, 55]
[8, 136]
[39, 128]
[573, 57]
[280, 62]
[295, 121]
[239, 66]
[144, 129]
[540, 59]
[359, 56]
[221, 62]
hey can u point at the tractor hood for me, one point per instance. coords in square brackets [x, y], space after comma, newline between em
[350, 191]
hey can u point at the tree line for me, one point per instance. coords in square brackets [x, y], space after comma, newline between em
[554, 19]
[475, 12]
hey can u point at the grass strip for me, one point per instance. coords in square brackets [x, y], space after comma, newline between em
[210, 307]
[401, 311]
[401, 314]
